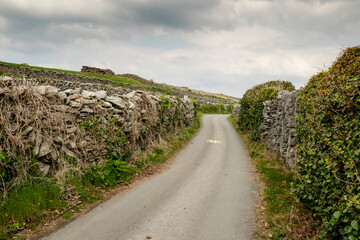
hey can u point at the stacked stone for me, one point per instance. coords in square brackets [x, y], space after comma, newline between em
[108, 72]
[278, 129]
[236, 111]
[65, 80]
[137, 112]
[42, 75]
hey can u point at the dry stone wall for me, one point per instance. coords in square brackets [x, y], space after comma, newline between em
[278, 129]
[53, 121]
[87, 69]
[64, 81]
[236, 111]
[46, 76]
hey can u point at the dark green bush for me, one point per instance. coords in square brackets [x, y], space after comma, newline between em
[250, 116]
[328, 135]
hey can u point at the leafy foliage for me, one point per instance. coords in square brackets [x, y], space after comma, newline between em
[328, 135]
[216, 108]
[115, 168]
[250, 116]
[112, 172]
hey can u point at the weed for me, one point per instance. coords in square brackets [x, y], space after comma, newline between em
[110, 173]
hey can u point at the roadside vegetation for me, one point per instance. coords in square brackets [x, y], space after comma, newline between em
[319, 197]
[29, 199]
[216, 108]
[328, 135]
[278, 214]
[252, 104]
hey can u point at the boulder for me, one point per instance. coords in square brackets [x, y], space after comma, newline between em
[45, 149]
[6, 78]
[100, 94]
[116, 102]
[87, 94]
[86, 110]
[106, 104]
[43, 167]
[46, 89]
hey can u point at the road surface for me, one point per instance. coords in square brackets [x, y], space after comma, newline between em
[206, 194]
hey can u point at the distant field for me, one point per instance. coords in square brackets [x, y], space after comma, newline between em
[116, 79]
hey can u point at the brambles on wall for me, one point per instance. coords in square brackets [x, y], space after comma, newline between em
[77, 142]
[328, 135]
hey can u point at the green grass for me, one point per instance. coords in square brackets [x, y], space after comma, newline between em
[114, 79]
[25, 206]
[33, 203]
[281, 211]
[164, 90]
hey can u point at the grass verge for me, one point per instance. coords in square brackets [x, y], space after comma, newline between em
[42, 200]
[279, 216]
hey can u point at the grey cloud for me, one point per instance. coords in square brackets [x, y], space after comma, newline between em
[128, 18]
[91, 30]
[185, 15]
[117, 18]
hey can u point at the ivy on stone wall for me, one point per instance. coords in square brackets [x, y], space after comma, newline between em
[250, 116]
[328, 135]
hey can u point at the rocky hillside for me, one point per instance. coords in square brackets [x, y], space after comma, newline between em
[104, 79]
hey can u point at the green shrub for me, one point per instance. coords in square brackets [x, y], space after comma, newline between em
[250, 116]
[229, 108]
[216, 109]
[112, 172]
[328, 135]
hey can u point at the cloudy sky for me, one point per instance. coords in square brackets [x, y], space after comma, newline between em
[223, 46]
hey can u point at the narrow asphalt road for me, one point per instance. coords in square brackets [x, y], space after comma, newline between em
[206, 194]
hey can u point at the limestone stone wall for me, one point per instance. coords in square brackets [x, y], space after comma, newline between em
[236, 111]
[46, 75]
[51, 119]
[64, 81]
[278, 129]
[87, 69]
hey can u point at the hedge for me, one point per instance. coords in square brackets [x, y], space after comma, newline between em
[328, 136]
